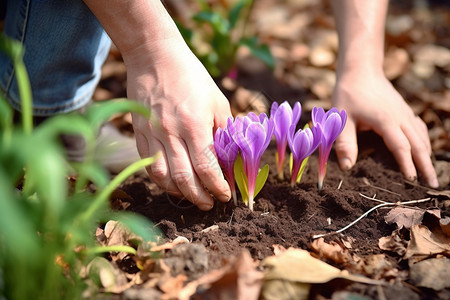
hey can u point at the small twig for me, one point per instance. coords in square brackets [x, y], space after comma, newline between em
[367, 182]
[373, 198]
[340, 184]
[312, 216]
[231, 218]
[369, 211]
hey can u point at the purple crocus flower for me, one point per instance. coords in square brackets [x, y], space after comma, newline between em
[331, 123]
[252, 134]
[227, 151]
[302, 144]
[284, 117]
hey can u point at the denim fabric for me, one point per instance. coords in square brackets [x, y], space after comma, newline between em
[65, 47]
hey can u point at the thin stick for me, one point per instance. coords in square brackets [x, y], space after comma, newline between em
[340, 184]
[369, 211]
[231, 218]
[373, 198]
[367, 182]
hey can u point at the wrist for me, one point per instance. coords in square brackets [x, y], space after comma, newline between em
[151, 52]
[359, 63]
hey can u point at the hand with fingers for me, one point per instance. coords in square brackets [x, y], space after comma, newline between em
[186, 105]
[186, 108]
[369, 98]
[372, 103]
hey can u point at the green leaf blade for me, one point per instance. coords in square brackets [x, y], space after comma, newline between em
[261, 179]
[241, 179]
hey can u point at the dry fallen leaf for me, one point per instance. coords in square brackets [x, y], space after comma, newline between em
[107, 275]
[278, 249]
[395, 62]
[394, 243]
[290, 275]
[378, 267]
[425, 243]
[407, 217]
[432, 273]
[444, 194]
[245, 100]
[169, 245]
[332, 251]
[445, 225]
[239, 279]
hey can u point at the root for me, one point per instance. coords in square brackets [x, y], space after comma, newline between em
[383, 203]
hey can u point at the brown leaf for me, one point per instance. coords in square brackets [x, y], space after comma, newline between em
[278, 249]
[298, 265]
[245, 100]
[445, 193]
[118, 234]
[432, 273]
[321, 56]
[331, 251]
[171, 285]
[395, 62]
[378, 267]
[425, 243]
[433, 55]
[107, 275]
[394, 243]
[238, 279]
[169, 245]
[407, 217]
[445, 225]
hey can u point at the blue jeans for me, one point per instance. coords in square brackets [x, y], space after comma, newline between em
[65, 47]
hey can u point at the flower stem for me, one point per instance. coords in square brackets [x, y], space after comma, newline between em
[250, 202]
[323, 161]
[233, 193]
[280, 158]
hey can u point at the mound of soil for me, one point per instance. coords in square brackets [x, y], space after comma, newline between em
[291, 216]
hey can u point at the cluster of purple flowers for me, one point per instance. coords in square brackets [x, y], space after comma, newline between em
[250, 136]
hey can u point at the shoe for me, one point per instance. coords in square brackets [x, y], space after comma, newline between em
[113, 150]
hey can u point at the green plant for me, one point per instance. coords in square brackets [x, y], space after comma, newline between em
[217, 32]
[42, 221]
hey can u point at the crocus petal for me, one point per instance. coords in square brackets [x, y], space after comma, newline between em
[283, 120]
[317, 115]
[296, 112]
[256, 137]
[253, 117]
[273, 108]
[332, 127]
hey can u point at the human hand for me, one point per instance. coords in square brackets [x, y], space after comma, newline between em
[372, 103]
[186, 108]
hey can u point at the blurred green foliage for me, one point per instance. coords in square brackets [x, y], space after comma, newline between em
[216, 33]
[42, 218]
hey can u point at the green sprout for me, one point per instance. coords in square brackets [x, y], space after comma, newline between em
[222, 32]
[42, 222]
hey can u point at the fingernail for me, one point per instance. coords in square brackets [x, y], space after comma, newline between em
[205, 206]
[434, 183]
[345, 164]
[224, 198]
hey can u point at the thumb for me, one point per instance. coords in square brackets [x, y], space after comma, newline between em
[346, 146]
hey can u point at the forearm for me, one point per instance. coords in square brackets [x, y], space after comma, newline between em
[135, 26]
[360, 25]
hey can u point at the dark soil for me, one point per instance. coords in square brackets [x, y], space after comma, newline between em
[290, 216]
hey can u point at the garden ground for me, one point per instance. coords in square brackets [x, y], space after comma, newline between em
[399, 247]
